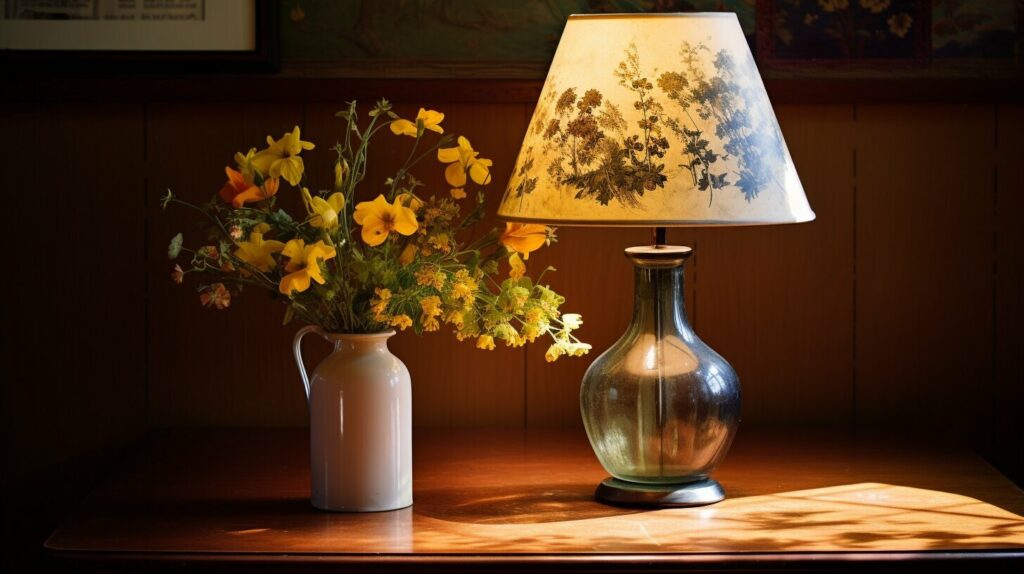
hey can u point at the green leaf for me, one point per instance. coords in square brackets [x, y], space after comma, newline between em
[174, 249]
[289, 314]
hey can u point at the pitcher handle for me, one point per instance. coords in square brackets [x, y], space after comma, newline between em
[297, 349]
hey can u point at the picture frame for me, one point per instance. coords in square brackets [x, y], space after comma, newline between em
[239, 36]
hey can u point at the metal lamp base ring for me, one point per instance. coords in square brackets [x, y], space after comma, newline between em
[623, 493]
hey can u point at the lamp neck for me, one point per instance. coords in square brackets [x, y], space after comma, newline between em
[658, 292]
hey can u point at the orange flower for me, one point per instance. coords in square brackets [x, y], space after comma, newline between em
[217, 295]
[240, 189]
[525, 238]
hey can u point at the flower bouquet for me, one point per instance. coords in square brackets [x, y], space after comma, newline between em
[357, 270]
[395, 260]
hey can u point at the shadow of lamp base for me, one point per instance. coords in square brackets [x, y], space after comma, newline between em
[623, 493]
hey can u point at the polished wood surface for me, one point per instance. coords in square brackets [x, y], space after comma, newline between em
[802, 494]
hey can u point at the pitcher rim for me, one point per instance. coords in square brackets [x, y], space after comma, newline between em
[360, 336]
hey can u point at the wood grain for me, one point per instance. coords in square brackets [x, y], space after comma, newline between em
[1008, 394]
[924, 267]
[777, 302]
[243, 495]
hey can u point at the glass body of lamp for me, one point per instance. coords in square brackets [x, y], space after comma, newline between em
[660, 406]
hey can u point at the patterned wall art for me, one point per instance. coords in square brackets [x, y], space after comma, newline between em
[516, 38]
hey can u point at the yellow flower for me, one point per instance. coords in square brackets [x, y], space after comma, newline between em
[409, 200]
[281, 158]
[518, 268]
[462, 159]
[340, 173]
[524, 238]
[403, 322]
[553, 352]
[379, 218]
[430, 276]
[458, 193]
[899, 24]
[325, 211]
[408, 254]
[379, 304]
[303, 264]
[431, 309]
[431, 121]
[257, 251]
[244, 162]
[464, 287]
[455, 317]
[485, 342]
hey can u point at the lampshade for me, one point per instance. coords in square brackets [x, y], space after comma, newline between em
[654, 120]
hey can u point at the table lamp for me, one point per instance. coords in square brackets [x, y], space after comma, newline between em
[656, 120]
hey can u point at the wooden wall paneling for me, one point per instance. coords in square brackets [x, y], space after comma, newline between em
[454, 384]
[208, 367]
[924, 267]
[1008, 396]
[73, 311]
[73, 392]
[777, 302]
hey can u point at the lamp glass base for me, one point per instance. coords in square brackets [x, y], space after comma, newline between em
[623, 493]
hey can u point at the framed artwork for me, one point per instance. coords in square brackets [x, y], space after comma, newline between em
[844, 32]
[509, 39]
[190, 35]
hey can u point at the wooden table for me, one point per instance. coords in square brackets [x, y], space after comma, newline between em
[502, 501]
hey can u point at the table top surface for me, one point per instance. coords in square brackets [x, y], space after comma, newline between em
[492, 495]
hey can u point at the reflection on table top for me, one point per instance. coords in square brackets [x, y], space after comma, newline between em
[522, 496]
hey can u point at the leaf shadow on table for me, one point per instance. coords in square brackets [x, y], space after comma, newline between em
[517, 504]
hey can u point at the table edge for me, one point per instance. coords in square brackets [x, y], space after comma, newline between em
[1011, 555]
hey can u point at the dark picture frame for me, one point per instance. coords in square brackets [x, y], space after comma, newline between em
[264, 58]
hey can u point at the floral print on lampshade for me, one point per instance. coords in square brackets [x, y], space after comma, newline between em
[654, 120]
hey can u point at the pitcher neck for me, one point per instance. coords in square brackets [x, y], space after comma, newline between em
[361, 342]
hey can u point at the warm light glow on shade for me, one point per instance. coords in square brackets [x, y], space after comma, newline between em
[654, 119]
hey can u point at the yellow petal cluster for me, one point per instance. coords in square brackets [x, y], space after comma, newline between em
[431, 307]
[431, 121]
[304, 264]
[461, 159]
[379, 218]
[281, 158]
[257, 251]
[325, 212]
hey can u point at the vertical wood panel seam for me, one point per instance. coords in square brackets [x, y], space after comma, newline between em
[853, 338]
[993, 440]
[146, 295]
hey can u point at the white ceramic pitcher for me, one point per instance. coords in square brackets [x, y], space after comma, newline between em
[360, 424]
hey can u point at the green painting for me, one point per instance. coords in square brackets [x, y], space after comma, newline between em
[364, 33]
